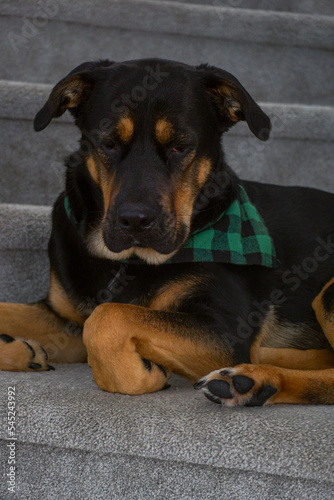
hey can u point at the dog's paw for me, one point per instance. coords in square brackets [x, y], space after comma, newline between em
[22, 355]
[242, 385]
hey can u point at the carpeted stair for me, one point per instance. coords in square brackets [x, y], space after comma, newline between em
[74, 440]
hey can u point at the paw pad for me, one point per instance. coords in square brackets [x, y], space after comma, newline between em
[242, 384]
[239, 386]
[220, 388]
[260, 397]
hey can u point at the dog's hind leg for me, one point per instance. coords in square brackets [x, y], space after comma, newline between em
[255, 384]
[133, 350]
[32, 335]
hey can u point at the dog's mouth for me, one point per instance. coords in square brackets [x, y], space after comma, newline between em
[160, 242]
[155, 247]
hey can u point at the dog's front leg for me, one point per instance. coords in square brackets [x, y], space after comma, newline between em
[133, 350]
[32, 335]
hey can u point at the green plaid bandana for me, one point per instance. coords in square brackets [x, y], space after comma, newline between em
[238, 236]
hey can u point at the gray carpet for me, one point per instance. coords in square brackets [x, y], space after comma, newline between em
[76, 441]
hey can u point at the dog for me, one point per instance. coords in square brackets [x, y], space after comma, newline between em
[163, 261]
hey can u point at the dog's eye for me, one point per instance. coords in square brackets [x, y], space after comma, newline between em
[179, 148]
[111, 146]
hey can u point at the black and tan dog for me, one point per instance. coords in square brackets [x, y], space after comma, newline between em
[149, 174]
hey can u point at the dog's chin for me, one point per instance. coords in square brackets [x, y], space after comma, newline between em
[151, 256]
[98, 247]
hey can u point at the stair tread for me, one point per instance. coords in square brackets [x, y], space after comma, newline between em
[323, 7]
[24, 227]
[177, 425]
[226, 23]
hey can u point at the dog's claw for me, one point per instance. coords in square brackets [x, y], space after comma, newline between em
[212, 398]
[35, 366]
[198, 385]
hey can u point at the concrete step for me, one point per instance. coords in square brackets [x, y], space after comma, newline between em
[282, 57]
[322, 7]
[31, 169]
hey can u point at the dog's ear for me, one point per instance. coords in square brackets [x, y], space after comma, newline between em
[71, 92]
[233, 102]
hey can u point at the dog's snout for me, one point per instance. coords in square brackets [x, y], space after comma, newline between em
[135, 218]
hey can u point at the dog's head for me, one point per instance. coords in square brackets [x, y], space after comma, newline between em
[150, 145]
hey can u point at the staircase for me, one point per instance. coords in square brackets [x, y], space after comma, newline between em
[281, 51]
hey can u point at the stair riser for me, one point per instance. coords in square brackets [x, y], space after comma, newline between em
[283, 162]
[32, 164]
[251, 26]
[274, 73]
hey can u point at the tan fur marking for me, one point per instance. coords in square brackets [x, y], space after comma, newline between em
[107, 186]
[204, 170]
[164, 131]
[95, 239]
[124, 371]
[73, 88]
[298, 386]
[93, 169]
[74, 98]
[327, 324]
[185, 191]
[233, 114]
[117, 336]
[232, 104]
[279, 335]
[152, 256]
[36, 322]
[185, 195]
[125, 128]
[183, 356]
[267, 329]
[184, 203]
[103, 179]
[293, 386]
[16, 356]
[226, 90]
[61, 303]
[170, 296]
[309, 359]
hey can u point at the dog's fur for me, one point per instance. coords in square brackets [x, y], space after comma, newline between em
[150, 154]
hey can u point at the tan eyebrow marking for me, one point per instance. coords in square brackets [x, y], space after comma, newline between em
[164, 130]
[125, 128]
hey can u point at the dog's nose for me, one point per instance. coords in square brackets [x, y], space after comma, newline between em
[135, 218]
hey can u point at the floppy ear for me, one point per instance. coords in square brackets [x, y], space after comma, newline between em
[69, 93]
[234, 102]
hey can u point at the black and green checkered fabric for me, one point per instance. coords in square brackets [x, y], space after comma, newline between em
[239, 236]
